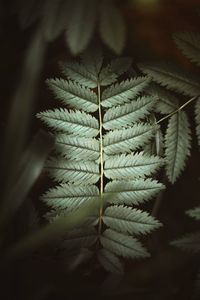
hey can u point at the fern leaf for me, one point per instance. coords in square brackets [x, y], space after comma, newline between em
[190, 242]
[189, 44]
[128, 114]
[122, 245]
[121, 93]
[110, 262]
[112, 27]
[131, 166]
[132, 192]
[73, 94]
[110, 73]
[80, 238]
[81, 24]
[177, 145]
[127, 220]
[197, 119]
[78, 148]
[78, 172]
[125, 140]
[69, 197]
[78, 73]
[78, 123]
[173, 79]
[166, 101]
[92, 60]
[194, 213]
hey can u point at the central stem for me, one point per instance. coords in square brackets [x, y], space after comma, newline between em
[101, 158]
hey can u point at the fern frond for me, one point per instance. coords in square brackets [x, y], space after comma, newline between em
[177, 145]
[73, 94]
[78, 172]
[69, 197]
[127, 140]
[131, 166]
[128, 114]
[122, 92]
[78, 73]
[132, 192]
[194, 213]
[92, 60]
[80, 238]
[78, 148]
[78, 123]
[80, 24]
[189, 44]
[112, 27]
[166, 101]
[190, 242]
[122, 245]
[127, 220]
[197, 119]
[110, 261]
[173, 79]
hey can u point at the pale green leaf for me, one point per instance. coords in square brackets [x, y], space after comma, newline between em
[69, 197]
[120, 93]
[189, 44]
[123, 245]
[129, 113]
[127, 140]
[132, 192]
[78, 172]
[78, 148]
[127, 220]
[81, 24]
[194, 213]
[73, 94]
[190, 242]
[131, 166]
[110, 261]
[112, 26]
[177, 145]
[173, 78]
[78, 123]
[78, 73]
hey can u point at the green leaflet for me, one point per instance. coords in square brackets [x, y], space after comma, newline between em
[128, 114]
[173, 79]
[78, 123]
[166, 102]
[80, 238]
[127, 220]
[69, 196]
[77, 148]
[190, 242]
[112, 27]
[177, 145]
[197, 119]
[133, 192]
[131, 166]
[122, 245]
[80, 24]
[78, 73]
[127, 140]
[194, 213]
[110, 261]
[63, 170]
[122, 92]
[189, 44]
[110, 73]
[74, 94]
